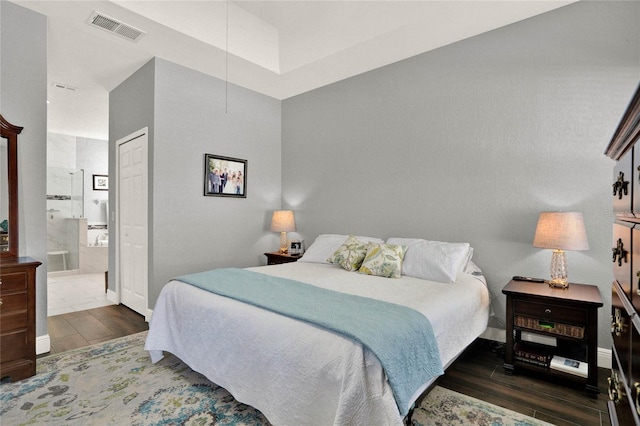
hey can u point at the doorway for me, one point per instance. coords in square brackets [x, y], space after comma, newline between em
[77, 227]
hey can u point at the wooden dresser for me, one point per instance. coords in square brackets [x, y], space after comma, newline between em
[17, 318]
[624, 382]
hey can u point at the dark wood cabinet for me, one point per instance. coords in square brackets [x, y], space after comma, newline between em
[569, 317]
[17, 276]
[276, 258]
[624, 380]
[17, 319]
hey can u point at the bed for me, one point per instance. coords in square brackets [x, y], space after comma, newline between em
[296, 372]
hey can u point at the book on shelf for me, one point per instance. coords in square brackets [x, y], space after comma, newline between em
[531, 361]
[571, 366]
[533, 354]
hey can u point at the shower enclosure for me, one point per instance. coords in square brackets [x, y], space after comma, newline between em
[65, 200]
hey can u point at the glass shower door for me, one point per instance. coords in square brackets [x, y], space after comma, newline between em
[65, 201]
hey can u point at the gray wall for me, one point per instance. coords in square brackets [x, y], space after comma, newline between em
[130, 109]
[23, 97]
[188, 231]
[471, 141]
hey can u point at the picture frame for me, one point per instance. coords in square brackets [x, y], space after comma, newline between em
[296, 247]
[225, 176]
[100, 182]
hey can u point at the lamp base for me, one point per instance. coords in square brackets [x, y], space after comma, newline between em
[558, 270]
[283, 243]
[558, 283]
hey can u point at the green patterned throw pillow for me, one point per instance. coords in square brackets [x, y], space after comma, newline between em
[350, 254]
[383, 260]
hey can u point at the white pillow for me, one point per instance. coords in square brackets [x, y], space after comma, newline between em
[433, 260]
[326, 244]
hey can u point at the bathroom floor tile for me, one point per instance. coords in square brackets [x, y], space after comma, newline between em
[71, 293]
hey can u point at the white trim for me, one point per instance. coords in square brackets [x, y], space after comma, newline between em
[495, 334]
[147, 317]
[604, 358]
[43, 344]
[112, 296]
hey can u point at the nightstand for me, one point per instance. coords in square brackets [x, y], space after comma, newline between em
[276, 258]
[538, 314]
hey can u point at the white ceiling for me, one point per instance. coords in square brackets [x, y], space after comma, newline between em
[279, 48]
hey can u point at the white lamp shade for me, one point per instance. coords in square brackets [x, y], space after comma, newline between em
[561, 230]
[283, 221]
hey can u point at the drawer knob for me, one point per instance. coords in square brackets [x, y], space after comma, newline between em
[617, 323]
[547, 311]
[621, 186]
[619, 253]
[614, 387]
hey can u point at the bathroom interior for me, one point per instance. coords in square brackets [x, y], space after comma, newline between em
[77, 225]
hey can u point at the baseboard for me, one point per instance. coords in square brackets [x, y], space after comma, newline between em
[604, 358]
[43, 344]
[112, 296]
[499, 335]
[147, 317]
[495, 334]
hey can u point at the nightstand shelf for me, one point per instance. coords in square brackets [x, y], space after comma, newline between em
[276, 258]
[567, 316]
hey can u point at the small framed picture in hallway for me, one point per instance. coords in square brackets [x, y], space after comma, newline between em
[100, 182]
[225, 176]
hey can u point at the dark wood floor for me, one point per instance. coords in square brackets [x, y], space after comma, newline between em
[477, 373]
[84, 328]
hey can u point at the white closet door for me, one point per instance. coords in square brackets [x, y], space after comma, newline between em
[133, 221]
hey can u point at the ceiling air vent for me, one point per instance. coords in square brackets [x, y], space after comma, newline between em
[65, 87]
[114, 26]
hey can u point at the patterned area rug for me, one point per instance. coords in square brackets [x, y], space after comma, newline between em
[115, 384]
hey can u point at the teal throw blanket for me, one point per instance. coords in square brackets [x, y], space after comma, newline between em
[400, 337]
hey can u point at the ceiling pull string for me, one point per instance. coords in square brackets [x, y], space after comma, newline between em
[226, 65]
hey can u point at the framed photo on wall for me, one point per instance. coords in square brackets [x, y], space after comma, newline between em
[100, 182]
[225, 176]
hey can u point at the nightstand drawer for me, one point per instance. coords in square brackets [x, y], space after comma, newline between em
[558, 328]
[550, 311]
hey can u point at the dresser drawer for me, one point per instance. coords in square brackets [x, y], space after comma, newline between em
[621, 254]
[550, 312]
[635, 267]
[621, 406]
[634, 376]
[13, 312]
[16, 321]
[620, 330]
[14, 345]
[621, 185]
[13, 282]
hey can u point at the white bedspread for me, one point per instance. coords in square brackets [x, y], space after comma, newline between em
[297, 373]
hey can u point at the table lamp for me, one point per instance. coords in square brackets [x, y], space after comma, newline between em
[560, 231]
[283, 222]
